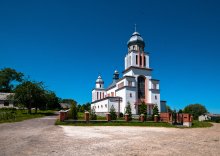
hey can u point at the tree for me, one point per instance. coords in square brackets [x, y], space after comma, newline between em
[169, 110]
[142, 109]
[180, 111]
[128, 110]
[73, 111]
[52, 101]
[155, 110]
[30, 94]
[7, 77]
[113, 113]
[93, 116]
[195, 109]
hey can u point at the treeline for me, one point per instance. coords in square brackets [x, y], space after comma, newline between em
[31, 94]
[195, 109]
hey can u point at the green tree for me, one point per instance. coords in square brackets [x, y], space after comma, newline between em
[142, 109]
[73, 111]
[30, 94]
[169, 110]
[93, 116]
[196, 110]
[180, 111]
[128, 110]
[52, 101]
[155, 110]
[113, 113]
[7, 77]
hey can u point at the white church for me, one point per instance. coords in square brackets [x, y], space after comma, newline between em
[136, 85]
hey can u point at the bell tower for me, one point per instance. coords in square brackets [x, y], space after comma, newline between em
[136, 56]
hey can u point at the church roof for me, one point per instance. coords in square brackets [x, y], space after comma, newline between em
[99, 80]
[136, 38]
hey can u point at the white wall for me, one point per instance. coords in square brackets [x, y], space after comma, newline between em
[2, 106]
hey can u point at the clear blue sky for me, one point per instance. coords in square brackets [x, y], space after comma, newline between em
[66, 44]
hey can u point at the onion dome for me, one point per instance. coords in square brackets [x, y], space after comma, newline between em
[99, 80]
[136, 39]
[116, 75]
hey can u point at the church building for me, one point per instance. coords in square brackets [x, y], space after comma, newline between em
[135, 87]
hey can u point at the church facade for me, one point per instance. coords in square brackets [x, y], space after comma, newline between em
[135, 86]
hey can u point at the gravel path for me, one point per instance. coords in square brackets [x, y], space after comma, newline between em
[41, 137]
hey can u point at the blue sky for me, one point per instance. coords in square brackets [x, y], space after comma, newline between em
[66, 44]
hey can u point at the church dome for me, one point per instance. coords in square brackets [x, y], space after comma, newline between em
[99, 80]
[136, 39]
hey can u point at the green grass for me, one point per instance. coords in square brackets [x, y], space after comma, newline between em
[201, 124]
[21, 115]
[117, 123]
[195, 124]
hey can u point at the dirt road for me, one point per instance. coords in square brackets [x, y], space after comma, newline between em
[41, 137]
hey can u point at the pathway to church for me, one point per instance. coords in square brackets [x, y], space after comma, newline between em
[41, 137]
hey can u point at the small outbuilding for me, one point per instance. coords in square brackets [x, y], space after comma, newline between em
[6, 100]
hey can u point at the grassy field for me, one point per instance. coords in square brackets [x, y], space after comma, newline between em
[20, 115]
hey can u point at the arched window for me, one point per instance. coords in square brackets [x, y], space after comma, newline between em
[144, 61]
[141, 87]
[140, 60]
[97, 95]
[136, 59]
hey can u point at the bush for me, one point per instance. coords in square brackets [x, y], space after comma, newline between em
[121, 115]
[7, 113]
[73, 111]
[93, 116]
[142, 109]
[128, 111]
[113, 113]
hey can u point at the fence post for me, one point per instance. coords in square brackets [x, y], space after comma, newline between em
[142, 117]
[108, 117]
[87, 116]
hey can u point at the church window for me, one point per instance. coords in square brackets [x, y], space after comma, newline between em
[141, 87]
[155, 97]
[100, 95]
[140, 60]
[100, 86]
[105, 105]
[103, 95]
[101, 106]
[129, 83]
[144, 61]
[97, 95]
[136, 59]
[120, 85]
[133, 47]
[130, 94]
[112, 93]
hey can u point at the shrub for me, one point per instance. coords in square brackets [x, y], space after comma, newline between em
[128, 110]
[143, 110]
[93, 116]
[73, 111]
[155, 111]
[113, 113]
[121, 115]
